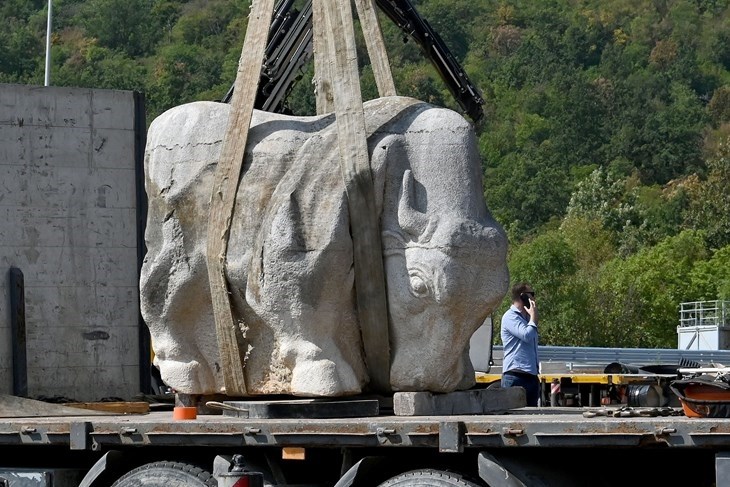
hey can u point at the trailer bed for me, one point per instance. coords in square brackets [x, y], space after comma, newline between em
[526, 427]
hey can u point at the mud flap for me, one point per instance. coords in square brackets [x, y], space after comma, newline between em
[103, 469]
[363, 473]
[494, 474]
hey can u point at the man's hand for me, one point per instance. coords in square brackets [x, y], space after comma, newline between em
[532, 311]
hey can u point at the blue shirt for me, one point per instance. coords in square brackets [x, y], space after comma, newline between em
[519, 339]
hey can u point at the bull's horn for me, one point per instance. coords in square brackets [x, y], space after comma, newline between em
[412, 221]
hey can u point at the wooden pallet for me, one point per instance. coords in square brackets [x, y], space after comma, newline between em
[117, 407]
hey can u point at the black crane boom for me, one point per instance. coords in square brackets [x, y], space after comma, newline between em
[289, 49]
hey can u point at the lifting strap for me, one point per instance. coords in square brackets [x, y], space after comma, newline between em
[322, 76]
[376, 47]
[376, 50]
[338, 87]
[372, 309]
[230, 334]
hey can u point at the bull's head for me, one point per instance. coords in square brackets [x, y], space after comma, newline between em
[445, 274]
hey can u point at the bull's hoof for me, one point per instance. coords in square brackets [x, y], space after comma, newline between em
[189, 377]
[323, 378]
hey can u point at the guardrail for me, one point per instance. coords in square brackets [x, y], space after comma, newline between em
[633, 356]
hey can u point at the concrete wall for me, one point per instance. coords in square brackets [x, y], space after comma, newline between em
[68, 222]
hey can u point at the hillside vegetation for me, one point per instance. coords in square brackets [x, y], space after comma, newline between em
[605, 145]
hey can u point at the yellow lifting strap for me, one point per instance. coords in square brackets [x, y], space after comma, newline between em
[338, 88]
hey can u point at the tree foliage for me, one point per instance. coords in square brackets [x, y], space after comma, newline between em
[710, 207]
[604, 144]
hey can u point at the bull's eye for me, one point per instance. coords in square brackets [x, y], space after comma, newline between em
[419, 287]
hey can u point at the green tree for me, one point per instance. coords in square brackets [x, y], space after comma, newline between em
[591, 242]
[180, 74]
[97, 67]
[711, 278]
[546, 262]
[640, 296]
[20, 50]
[604, 197]
[125, 25]
[709, 208]
[719, 106]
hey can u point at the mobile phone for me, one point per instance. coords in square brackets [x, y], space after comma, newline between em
[525, 300]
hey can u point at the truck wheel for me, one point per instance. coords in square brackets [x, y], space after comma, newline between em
[428, 478]
[166, 474]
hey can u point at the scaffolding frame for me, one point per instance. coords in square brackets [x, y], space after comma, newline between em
[704, 313]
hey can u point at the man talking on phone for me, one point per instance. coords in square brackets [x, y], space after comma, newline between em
[519, 339]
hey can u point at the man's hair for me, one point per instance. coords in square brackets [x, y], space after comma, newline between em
[519, 288]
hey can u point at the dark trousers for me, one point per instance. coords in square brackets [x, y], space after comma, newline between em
[530, 382]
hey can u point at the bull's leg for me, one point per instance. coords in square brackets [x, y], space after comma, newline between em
[175, 304]
[319, 371]
[300, 282]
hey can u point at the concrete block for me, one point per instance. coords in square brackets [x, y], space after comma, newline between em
[111, 148]
[51, 106]
[56, 227]
[44, 146]
[113, 109]
[78, 382]
[68, 204]
[6, 357]
[722, 469]
[86, 267]
[81, 346]
[480, 401]
[82, 307]
[67, 187]
[480, 350]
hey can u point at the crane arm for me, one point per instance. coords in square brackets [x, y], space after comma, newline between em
[290, 48]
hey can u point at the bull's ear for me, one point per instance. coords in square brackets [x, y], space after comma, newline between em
[412, 221]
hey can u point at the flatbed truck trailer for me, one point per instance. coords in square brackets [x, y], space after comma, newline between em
[519, 447]
[524, 446]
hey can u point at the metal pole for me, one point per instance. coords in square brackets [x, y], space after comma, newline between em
[48, 43]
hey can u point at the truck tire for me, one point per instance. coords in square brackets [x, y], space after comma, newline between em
[428, 478]
[166, 474]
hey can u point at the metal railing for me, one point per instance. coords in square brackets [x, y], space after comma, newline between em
[577, 356]
[704, 313]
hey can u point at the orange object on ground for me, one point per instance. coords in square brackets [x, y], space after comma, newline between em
[699, 393]
[703, 397]
[184, 412]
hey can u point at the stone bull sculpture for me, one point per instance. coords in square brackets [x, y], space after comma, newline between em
[290, 263]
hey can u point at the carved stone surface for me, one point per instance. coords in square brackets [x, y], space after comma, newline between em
[289, 262]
